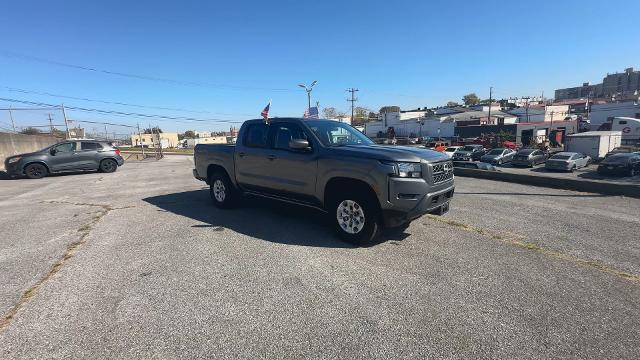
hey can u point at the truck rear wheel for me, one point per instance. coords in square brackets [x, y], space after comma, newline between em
[355, 218]
[221, 190]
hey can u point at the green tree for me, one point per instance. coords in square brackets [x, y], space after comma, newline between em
[330, 113]
[471, 99]
[387, 109]
[30, 131]
[452, 104]
[189, 134]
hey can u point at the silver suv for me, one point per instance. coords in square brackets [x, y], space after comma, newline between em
[71, 155]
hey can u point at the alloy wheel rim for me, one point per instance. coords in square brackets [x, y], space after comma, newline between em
[350, 216]
[219, 191]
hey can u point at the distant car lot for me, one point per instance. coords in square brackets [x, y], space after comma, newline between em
[151, 268]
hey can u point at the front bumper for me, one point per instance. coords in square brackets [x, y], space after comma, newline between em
[409, 200]
[613, 170]
[13, 169]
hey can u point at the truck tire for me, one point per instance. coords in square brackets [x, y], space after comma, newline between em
[222, 193]
[36, 171]
[355, 217]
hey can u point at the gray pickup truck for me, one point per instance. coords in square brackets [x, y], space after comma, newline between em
[330, 166]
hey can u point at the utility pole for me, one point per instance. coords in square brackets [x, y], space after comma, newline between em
[490, 101]
[66, 125]
[50, 125]
[140, 140]
[13, 125]
[352, 100]
[526, 107]
[106, 134]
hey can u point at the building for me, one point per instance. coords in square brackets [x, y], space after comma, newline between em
[202, 134]
[522, 133]
[603, 113]
[430, 124]
[77, 133]
[618, 84]
[541, 113]
[190, 143]
[163, 139]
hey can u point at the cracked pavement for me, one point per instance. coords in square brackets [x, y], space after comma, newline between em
[151, 270]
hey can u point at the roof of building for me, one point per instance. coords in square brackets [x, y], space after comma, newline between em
[596, 133]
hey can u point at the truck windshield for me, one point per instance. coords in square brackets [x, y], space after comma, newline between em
[332, 133]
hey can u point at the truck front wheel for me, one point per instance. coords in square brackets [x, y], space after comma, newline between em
[355, 218]
[221, 191]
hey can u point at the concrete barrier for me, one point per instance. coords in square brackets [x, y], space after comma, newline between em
[14, 144]
[593, 186]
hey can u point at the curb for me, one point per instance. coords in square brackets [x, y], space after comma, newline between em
[592, 186]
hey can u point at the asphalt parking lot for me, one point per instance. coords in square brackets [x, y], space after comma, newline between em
[138, 264]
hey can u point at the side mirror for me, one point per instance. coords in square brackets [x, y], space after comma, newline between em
[299, 144]
[53, 151]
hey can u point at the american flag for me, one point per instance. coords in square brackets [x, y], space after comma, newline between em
[311, 113]
[265, 112]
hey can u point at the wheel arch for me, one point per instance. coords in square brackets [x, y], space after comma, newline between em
[340, 184]
[36, 162]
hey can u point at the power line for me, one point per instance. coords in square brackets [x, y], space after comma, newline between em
[114, 112]
[8, 54]
[112, 102]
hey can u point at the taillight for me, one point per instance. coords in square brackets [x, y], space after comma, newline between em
[118, 152]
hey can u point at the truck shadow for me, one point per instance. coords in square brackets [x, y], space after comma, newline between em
[256, 217]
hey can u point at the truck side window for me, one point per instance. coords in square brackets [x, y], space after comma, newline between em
[285, 132]
[256, 135]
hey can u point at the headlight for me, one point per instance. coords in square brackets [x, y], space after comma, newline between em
[15, 159]
[407, 170]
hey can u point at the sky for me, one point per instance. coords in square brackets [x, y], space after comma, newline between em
[210, 63]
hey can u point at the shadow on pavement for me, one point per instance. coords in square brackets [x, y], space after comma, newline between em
[264, 219]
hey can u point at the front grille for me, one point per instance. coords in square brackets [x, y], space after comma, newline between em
[441, 172]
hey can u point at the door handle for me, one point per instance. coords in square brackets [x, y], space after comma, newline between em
[271, 157]
[241, 154]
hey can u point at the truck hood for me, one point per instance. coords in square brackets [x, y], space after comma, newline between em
[390, 153]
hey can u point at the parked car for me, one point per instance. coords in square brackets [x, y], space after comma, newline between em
[330, 166]
[469, 153]
[498, 156]
[567, 161]
[449, 151]
[529, 157]
[474, 165]
[620, 164]
[622, 150]
[71, 155]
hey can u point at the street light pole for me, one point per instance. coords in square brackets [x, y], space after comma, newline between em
[308, 89]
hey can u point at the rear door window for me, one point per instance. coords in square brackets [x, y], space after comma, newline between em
[88, 146]
[257, 135]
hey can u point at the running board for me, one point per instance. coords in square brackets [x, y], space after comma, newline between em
[283, 199]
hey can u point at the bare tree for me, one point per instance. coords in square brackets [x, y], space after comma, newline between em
[330, 113]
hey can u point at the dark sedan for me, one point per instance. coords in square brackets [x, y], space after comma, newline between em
[469, 153]
[71, 155]
[620, 164]
[529, 157]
